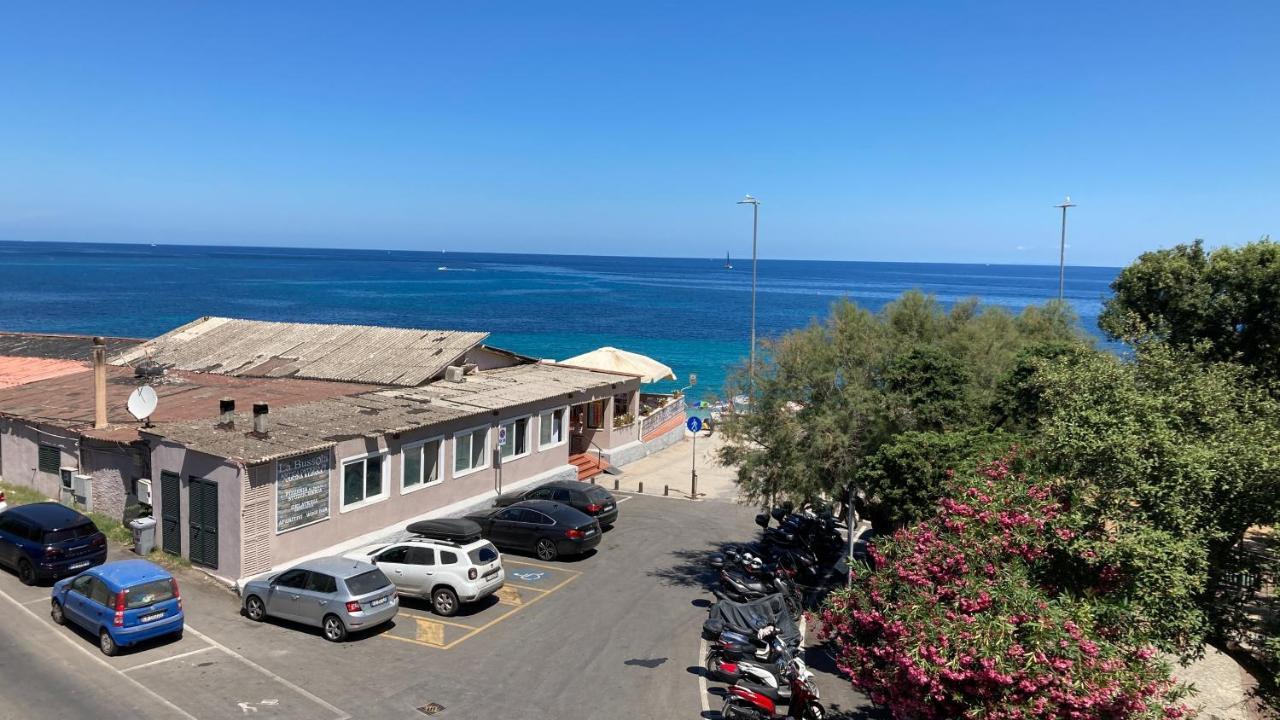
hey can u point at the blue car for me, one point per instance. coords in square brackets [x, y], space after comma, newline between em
[123, 603]
[46, 541]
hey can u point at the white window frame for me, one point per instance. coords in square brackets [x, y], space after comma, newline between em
[406, 489]
[484, 457]
[368, 500]
[528, 439]
[564, 427]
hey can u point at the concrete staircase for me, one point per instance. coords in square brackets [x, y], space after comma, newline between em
[588, 465]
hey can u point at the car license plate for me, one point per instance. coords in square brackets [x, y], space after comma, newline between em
[491, 573]
[77, 566]
[152, 616]
[590, 533]
[379, 601]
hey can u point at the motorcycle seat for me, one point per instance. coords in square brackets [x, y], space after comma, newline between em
[775, 694]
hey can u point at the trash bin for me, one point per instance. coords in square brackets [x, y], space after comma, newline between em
[144, 534]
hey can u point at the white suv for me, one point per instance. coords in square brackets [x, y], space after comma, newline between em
[441, 571]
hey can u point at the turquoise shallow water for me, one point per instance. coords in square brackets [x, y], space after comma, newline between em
[691, 314]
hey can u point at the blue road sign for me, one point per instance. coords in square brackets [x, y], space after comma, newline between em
[694, 424]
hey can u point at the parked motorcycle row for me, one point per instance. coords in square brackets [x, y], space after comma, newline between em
[754, 640]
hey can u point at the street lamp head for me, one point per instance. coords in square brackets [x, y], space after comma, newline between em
[1066, 203]
[748, 200]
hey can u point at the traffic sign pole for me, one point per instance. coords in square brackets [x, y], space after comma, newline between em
[695, 426]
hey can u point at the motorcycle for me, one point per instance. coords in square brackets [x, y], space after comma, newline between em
[741, 587]
[760, 661]
[749, 701]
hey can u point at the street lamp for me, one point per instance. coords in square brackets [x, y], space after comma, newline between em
[1062, 245]
[755, 227]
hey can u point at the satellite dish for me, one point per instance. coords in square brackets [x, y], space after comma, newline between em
[142, 402]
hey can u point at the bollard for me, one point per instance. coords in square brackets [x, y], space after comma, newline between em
[615, 483]
[666, 490]
[593, 479]
[642, 486]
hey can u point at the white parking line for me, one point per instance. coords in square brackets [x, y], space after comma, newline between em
[90, 654]
[44, 600]
[165, 660]
[702, 678]
[623, 499]
[313, 698]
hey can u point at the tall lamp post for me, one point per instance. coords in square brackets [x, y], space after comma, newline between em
[1062, 246]
[755, 227]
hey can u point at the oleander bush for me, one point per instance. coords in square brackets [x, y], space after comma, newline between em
[1000, 606]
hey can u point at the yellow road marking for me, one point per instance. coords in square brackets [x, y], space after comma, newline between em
[508, 595]
[431, 639]
[435, 619]
[525, 587]
[430, 632]
[510, 612]
[544, 567]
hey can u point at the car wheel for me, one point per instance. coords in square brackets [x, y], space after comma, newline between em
[334, 630]
[254, 608]
[107, 644]
[26, 573]
[444, 601]
[545, 549]
[55, 612]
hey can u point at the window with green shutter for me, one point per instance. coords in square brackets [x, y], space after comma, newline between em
[50, 459]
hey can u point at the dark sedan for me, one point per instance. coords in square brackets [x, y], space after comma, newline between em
[590, 499]
[548, 529]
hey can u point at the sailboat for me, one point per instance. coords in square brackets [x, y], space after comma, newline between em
[727, 265]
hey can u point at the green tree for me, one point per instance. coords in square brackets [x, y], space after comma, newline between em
[1172, 460]
[1222, 305]
[911, 470]
[832, 394]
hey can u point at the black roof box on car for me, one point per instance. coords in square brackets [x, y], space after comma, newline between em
[453, 530]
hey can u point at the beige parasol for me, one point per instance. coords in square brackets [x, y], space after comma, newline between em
[611, 359]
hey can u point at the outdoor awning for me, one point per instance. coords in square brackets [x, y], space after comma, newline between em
[611, 359]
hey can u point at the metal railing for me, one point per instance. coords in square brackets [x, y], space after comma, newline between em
[655, 420]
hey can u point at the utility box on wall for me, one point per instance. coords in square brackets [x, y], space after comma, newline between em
[77, 489]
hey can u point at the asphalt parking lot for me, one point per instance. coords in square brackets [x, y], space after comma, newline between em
[612, 634]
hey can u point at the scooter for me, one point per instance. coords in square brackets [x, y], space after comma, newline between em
[740, 587]
[736, 658]
[749, 701]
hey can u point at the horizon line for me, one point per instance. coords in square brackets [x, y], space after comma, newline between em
[138, 243]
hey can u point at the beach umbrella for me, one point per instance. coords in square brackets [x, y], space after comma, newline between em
[611, 359]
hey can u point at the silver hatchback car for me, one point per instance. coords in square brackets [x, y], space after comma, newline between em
[335, 594]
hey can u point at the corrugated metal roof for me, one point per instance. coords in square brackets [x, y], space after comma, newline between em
[311, 426]
[22, 370]
[317, 425]
[345, 353]
[67, 400]
[60, 347]
[512, 386]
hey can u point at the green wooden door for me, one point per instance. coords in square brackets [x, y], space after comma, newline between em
[203, 508]
[171, 512]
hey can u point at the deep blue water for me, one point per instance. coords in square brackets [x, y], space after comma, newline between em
[691, 314]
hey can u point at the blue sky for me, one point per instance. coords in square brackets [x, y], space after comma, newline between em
[871, 131]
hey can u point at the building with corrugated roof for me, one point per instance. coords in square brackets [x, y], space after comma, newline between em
[276, 441]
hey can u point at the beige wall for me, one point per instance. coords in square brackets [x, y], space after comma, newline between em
[393, 507]
[186, 463]
[397, 505]
[19, 454]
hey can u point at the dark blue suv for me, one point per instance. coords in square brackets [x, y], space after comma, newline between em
[46, 541]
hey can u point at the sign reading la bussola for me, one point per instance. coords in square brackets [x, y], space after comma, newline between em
[302, 491]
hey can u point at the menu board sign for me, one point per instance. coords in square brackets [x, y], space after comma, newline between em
[302, 491]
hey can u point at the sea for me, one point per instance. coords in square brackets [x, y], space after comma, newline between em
[693, 314]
